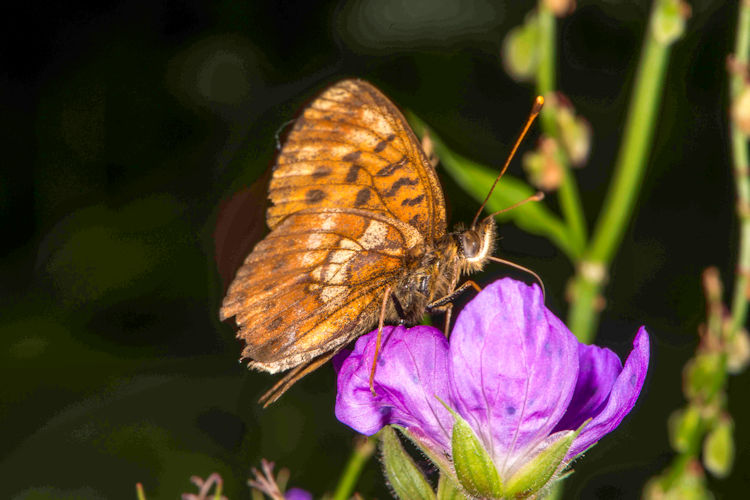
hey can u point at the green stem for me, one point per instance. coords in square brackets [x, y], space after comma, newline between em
[623, 190]
[741, 173]
[570, 200]
[546, 74]
[139, 493]
[363, 450]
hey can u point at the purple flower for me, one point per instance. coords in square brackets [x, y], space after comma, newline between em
[512, 371]
[297, 494]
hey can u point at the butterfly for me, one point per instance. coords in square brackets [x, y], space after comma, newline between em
[358, 237]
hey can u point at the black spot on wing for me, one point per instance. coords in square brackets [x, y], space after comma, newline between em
[321, 171]
[314, 196]
[391, 168]
[353, 156]
[403, 181]
[351, 175]
[382, 144]
[275, 323]
[412, 201]
[363, 196]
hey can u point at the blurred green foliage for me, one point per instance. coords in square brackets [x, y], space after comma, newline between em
[128, 125]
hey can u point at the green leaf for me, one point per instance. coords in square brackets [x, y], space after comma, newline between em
[405, 478]
[476, 179]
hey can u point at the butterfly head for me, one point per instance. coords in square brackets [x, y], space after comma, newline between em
[476, 244]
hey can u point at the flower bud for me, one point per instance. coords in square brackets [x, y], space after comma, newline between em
[542, 165]
[684, 426]
[703, 376]
[560, 8]
[690, 485]
[669, 20]
[741, 110]
[404, 477]
[575, 133]
[738, 352]
[520, 53]
[718, 448]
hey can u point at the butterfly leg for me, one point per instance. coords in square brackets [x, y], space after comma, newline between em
[292, 377]
[386, 296]
[435, 305]
[445, 304]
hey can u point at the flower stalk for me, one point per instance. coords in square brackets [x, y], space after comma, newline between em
[364, 447]
[664, 28]
[570, 200]
[705, 425]
[738, 83]
[703, 429]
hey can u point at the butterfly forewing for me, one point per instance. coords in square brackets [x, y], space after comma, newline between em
[351, 148]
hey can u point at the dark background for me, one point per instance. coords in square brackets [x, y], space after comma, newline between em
[128, 126]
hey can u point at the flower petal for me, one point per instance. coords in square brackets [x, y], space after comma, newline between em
[412, 369]
[297, 494]
[598, 368]
[513, 368]
[622, 398]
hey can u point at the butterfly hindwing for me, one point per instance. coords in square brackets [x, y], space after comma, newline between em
[315, 282]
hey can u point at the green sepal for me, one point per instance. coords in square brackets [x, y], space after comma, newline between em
[448, 489]
[438, 459]
[535, 474]
[405, 478]
[718, 448]
[474, 467]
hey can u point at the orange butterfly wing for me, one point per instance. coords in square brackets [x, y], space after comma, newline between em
[352, 195]
[353, 148]
[311, 283]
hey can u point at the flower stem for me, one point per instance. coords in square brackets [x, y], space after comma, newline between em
[363, 450]
[741, 173]
[140, 494]
[623, 190]
[570, 200]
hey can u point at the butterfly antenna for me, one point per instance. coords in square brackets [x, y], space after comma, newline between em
[538, 196]
[535, 109]
[521, 268]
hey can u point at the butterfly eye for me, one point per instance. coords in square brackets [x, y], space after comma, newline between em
[470, 244]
